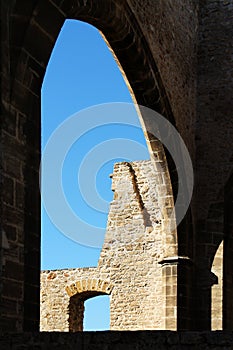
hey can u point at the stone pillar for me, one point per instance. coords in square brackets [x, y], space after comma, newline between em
[176, 297]
[217, 291]
[169, 290]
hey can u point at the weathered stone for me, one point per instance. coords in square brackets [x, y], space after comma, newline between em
[126, 261]
[177, 56]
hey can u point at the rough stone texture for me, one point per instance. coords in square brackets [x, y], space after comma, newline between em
[129, 266]
[57, 301]
[217, 290]
[174, 52]
[140, 340]
[177, 57]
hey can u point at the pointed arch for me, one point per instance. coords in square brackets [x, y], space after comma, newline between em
[32, 37]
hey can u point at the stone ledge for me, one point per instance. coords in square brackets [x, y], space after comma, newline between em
[184, 260]
[124, 340]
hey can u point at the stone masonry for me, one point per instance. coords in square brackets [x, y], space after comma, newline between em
[176, 56]
[129, 267]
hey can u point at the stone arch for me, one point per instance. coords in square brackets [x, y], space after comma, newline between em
[208, 270]
[79, 292]
[89, 285]
[216, 277]
[32, 36]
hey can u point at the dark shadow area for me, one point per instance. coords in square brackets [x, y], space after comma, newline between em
[228, 258]
[162, 340]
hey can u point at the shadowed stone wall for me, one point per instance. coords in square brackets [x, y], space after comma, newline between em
[141, 340]
[177, 57]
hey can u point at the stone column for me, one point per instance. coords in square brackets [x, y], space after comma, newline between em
[176, 298]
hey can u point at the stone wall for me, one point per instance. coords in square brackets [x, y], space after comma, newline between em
[55, 301]
[129, 263]
[144, 340]
[174, 52]
[177, 57]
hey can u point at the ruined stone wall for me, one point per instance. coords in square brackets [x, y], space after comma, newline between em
[177, 56]
[133, 247]
[129, 260]
[54, 314]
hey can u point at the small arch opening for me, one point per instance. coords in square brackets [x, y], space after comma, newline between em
[89, 311]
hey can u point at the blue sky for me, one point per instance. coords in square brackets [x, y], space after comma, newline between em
[81, 73]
